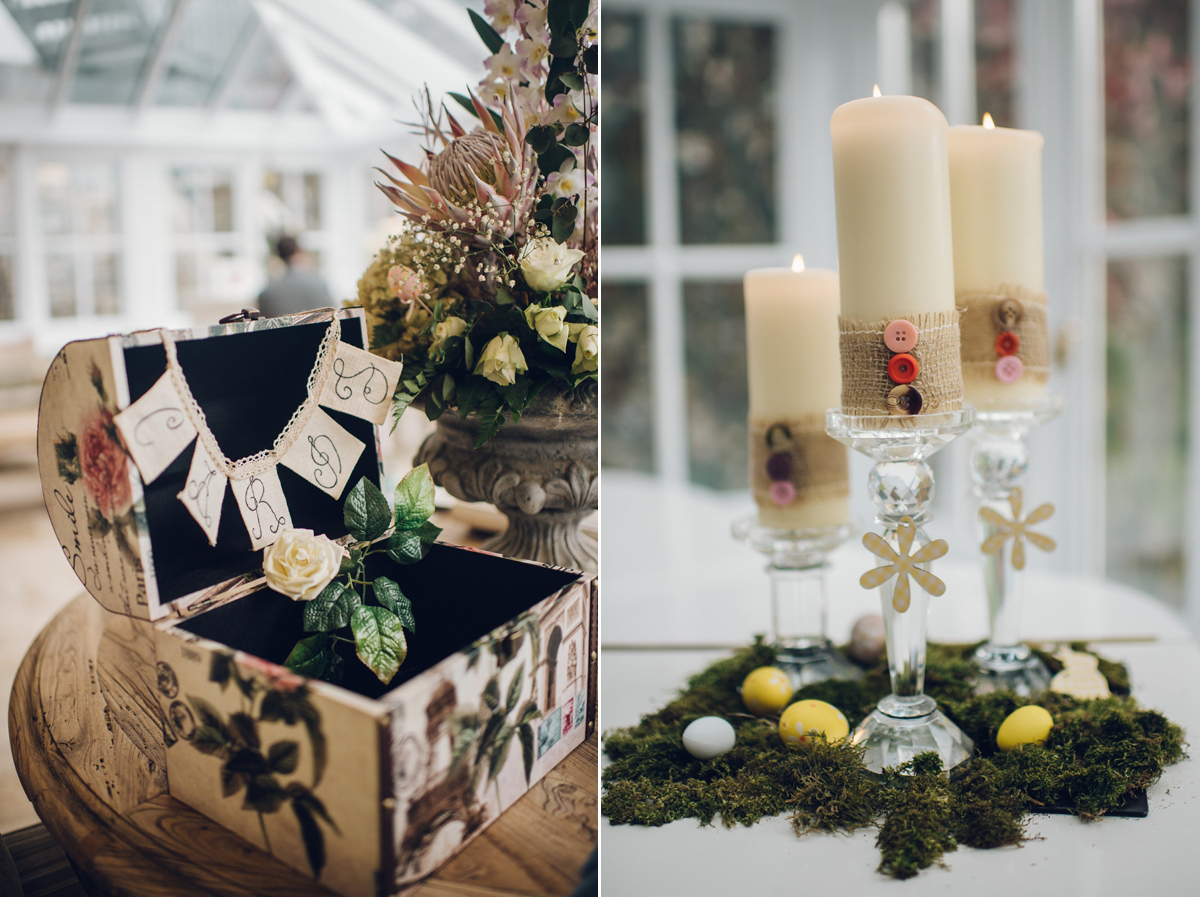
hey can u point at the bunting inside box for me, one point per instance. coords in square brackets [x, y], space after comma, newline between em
[284, 417]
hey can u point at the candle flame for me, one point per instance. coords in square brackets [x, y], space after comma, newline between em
[875, 92]
[798, 263]
[987, 121]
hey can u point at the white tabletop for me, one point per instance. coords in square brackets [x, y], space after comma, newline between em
[674, 578]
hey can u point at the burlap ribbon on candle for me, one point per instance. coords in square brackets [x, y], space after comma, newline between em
[865, 357]
[980, 330]
[818, 466]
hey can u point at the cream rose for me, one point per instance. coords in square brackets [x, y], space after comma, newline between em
[546, 264]
[548, 322]
[445, 329]
[300, 564]
[502, 360]
[587, 347]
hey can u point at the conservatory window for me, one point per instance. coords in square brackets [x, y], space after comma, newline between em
[8, 228]
[206, 242]
[78, 204]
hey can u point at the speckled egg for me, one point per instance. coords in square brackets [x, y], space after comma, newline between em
[1025, 725]
[766, 690]
[708, 737]
[867, 639]
[804, 719]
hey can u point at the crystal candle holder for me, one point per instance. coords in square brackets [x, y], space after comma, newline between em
[907, 722]
[798, 561]
[999, 463]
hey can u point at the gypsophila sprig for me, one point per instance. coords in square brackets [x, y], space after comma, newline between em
[500, 239]
[376, 630]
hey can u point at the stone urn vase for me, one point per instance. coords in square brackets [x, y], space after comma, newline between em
[540, 471]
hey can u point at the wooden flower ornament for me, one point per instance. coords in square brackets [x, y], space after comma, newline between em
[902, 564]
[1016, 529]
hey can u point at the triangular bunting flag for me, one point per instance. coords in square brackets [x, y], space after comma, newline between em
[324, 454]
[156, 429]
[361, 384]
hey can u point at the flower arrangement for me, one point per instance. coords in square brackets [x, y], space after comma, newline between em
[487, 293]
[332, 579]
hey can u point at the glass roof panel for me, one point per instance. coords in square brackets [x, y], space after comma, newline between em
[117, 36]
[210, 37]
[263, 79]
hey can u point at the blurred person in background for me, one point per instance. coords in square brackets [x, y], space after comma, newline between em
[298, 289]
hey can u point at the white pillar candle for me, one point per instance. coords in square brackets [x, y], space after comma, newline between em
[996, 206]
[793, 370]
[892, 190]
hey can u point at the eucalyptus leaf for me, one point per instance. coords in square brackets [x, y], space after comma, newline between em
[554, 158]
[366, 511]
[540, 138]
[379, 640]
[391, 597]
[576, 134]
[414, 498]
[310, 657]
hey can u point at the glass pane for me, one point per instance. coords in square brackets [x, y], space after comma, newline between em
[725, 140]
[312, 201]
[54, 192]
[627, 435]
[60, 280]
[8, 302]
[622, 137]
[185, 279]
[106, 285]
[117, 37]
[715, 359]
[96, 196]
[996, 60]
[222, 204]
[925, 18]
[1147, 423]
[264, 80]
[207, 36]
[8, 211]
[1146, 80]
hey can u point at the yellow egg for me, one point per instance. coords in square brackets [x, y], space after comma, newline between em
[805, 719]
[1025, 725]
[766, 690]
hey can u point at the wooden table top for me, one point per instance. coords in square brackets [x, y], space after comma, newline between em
[91, 759]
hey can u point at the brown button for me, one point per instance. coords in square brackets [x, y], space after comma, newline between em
[904, 400]
[779, 466]
[1008, 313]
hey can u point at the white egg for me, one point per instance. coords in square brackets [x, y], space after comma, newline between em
[708, 737]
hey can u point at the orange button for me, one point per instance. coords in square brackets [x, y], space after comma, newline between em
[902, 368]
[1007, 343]
[900, 336]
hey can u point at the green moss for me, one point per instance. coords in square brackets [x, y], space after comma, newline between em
[1097, 753]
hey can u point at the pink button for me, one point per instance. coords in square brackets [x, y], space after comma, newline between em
[900, 336]
[1009, 369]
[782, 492]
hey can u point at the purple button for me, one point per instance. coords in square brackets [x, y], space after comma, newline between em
[779, 466]
[900, 336]
[782, 492]
[1009, 369]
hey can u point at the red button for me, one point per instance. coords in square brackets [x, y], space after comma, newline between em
[902, 368]
[1007, 343]
[1009, 369]
[900, 336]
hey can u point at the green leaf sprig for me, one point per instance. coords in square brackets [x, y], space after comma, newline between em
[375, 629]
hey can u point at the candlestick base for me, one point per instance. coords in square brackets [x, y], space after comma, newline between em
[798, 562]
[899, 728]
[1010, 668]
[906, 722]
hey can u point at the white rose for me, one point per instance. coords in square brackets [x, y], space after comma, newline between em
[587, 347]
[548, 322]
[546, 264]
[446, 328]
[502, 360]
[300, 564]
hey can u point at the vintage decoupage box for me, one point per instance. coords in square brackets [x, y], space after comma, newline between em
[364, 786]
